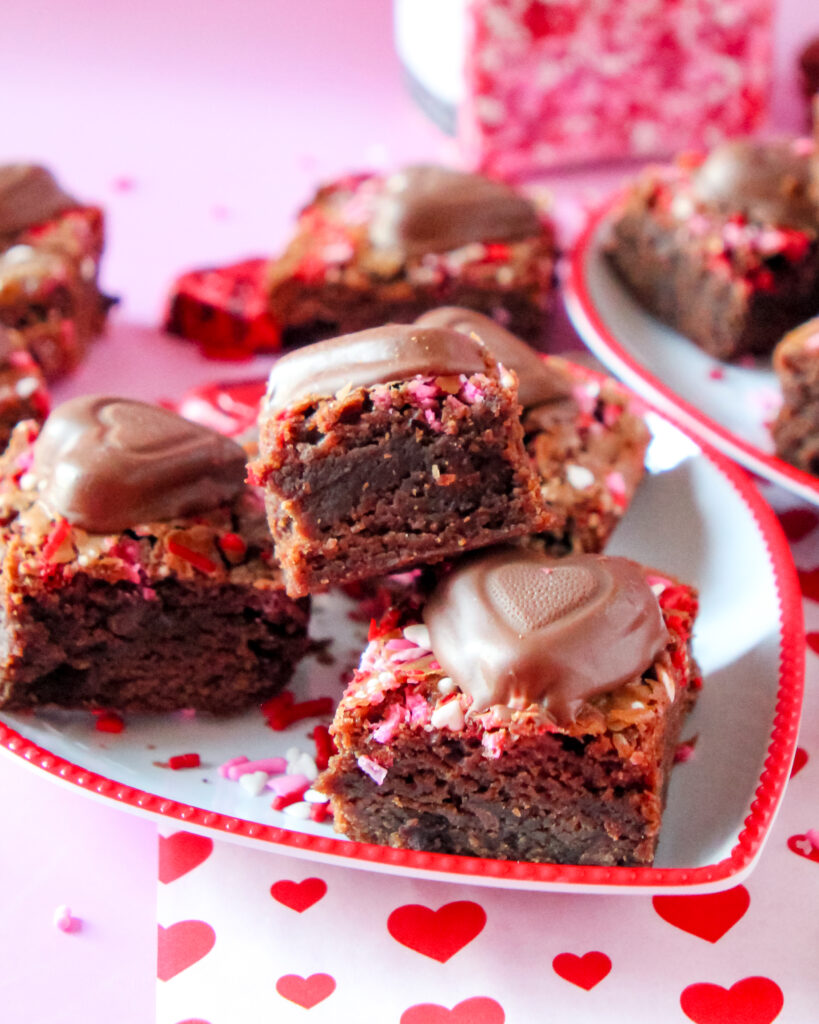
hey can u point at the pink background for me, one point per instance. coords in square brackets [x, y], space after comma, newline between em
[201, 127]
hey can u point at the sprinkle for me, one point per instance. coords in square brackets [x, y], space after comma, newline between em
[579, 477]
[303, 765]
[298, 809]
[384, 732]
[194, 558]
[224, 768]
[448, 716]
[684, 752]
[312, 796]
[65, 921]
[270, 765]
[372, 768]
[179, 761]
[109, 721]
[446, 686]
[318, 812]
[286, 785]
[280, 802]
[254, 783]
[812, 836]
[418, 634]
[232, 545]
[58, 535]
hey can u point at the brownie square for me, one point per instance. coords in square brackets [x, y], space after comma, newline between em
[136, 571]
[371, 249]
[50, 250]
[390, 448]
[584, 434]
[553, 743]
[724, 248]
[795, 429]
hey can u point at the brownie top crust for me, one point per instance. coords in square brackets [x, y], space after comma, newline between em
[433, 209]
[29, 195]
[376, 356]
[538, 382]
[108, 464]
[804, 338]
[767, 181]
[513, 627]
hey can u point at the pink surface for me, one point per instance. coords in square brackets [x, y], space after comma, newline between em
[201, 127]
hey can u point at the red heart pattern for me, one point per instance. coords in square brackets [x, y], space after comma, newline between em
[306, 992]
[802, 846]
[799, 761]
[750, 1001]
[299, 896]
[181, 853]
[584, 971]
[478, 1010]
[809, 583]
[798, 522]
[708, 916]
[181, 945]
[438, 934]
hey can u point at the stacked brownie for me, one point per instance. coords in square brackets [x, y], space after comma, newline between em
[23, 392]
[796, 427]
[369, 249]
[137, 571]
[519, 706]
[50, 249]
[724, 248]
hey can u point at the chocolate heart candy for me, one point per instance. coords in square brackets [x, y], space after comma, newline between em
[434, 209]
[517, 628]
[107, 464]
[29, 195]
[538, 381]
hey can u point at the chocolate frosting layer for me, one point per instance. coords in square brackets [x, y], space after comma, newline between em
[107, 464]
[434, 209]
[514, 627]
[376, 356]
[29, 195]
[537, 381]
[766, 181]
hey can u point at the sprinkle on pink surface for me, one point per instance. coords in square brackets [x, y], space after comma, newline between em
[65, 921]
[124, 183]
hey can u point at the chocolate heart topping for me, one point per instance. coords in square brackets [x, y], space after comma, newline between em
[29, 195]
[538, 382]
[433, 209]
[376, 356]
[514, 627]
[107, 464]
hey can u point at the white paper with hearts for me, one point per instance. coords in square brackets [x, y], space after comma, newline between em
[323, 945]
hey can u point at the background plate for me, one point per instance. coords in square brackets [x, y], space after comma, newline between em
[725, 404]
[696, 516]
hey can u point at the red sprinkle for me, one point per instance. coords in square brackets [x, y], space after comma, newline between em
[55, 540]
[318, 812]
[325, 747]
[232, 544]
[280, 802]
[108, 721]
[183, 761]
[387, 624]
[196, 558]
[280, 717]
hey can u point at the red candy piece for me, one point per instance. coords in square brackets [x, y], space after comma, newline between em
[281, 711]
[195, 558]
[224, 309]
[231, 407]
[108, 721]
[183, 761]
[325, 747]
[59, 532]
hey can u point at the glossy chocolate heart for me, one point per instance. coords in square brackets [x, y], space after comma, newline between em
[107, 464]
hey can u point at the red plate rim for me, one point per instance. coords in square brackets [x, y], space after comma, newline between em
[590, 325]
[510, 874]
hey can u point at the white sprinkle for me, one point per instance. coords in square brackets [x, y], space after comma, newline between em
[26, 386]
[18, 254]
[27, 481]
[312, 796]
[302, 765]
[418, 634]
[446, 686]
[253, 782]
[667, 682]
[448, 716]
[579, 477]
[298, 810]
[637, 704]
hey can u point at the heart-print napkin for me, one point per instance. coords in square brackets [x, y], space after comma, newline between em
[248, 936]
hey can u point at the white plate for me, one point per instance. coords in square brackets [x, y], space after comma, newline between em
[696, 516]
[727, 405]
